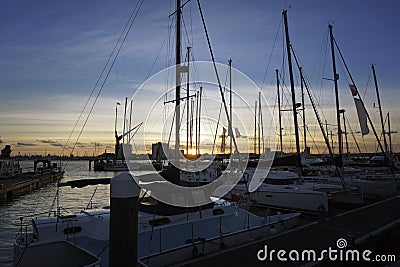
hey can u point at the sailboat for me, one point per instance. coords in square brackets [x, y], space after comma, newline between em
[164, 238]
[376, 189]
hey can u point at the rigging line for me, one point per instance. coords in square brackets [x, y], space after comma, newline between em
[91, 198]
[219, 115]
[284, 86]
[216, 128]
[319, 119]
[186, 31]
[313, 140]
[352, 134]
[343, 70]
[191, 21]
[97, 82]
[366, 87]
[170, 131]
[323, 64]
[306, 80]
[318, 62]
[159, 51]
[216, 73]
[108, 73]
[270, 56]
[205, 103]
[196, 74]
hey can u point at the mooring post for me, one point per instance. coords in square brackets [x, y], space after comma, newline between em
[124, 195]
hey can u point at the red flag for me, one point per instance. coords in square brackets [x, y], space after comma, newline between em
[353, 89]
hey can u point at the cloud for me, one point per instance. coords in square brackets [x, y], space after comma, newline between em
[56, 144]
[51, 142]
[25, 144]
[47, 141]
[80, 145]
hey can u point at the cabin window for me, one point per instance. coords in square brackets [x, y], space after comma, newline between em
[160, 221]
[72, 230]
[218, 211]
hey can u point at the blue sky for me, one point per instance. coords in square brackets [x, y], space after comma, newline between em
[52, 52]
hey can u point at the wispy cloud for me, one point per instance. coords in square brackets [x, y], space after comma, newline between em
[25, 144]
[57, 144]
[47, 141]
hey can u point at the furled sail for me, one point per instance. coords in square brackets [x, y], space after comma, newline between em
[361, 112]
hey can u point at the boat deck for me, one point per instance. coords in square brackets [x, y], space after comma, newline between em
[374, 227]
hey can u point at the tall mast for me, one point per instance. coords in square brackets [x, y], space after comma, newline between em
[380, 108]
[296, 125]
[335, 79]
[198, 132]
[279, 111]
[259, 123]
[255, 127]
[389, 133]
[178, 78]
[191, 124]
[345, 131]
[196, 122]
[123, 136]
[230, 130]
[130, 123]
[187, 101]
[304, 108]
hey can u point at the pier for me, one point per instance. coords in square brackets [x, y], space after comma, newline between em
[27, 182]
[375, 227]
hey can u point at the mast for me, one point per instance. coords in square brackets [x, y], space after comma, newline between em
[345, 130]
[296, 125]
[191, 123]
[198, 132]
[130, 122]
[178, 78]
[335, 79]
[187, 101]
[389, 133]
[304, 109]
[123, 137]
[255, 128]
[279, 111]
[196, 122]
[380, 108]
[230, 130]
[116, 149]
[259, 123]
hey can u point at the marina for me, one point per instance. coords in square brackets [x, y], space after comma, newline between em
[188, 161]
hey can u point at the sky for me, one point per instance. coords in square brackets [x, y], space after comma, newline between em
[52, 53]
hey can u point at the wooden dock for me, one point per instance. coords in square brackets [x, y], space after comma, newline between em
[25, 183]
[375, 227]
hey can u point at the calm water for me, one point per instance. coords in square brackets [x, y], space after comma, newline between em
[40, 201]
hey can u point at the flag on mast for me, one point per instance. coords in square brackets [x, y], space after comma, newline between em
[361, 112]
[353, 89]
[362, 116]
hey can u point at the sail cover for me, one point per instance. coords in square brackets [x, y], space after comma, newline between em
[362, 116]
